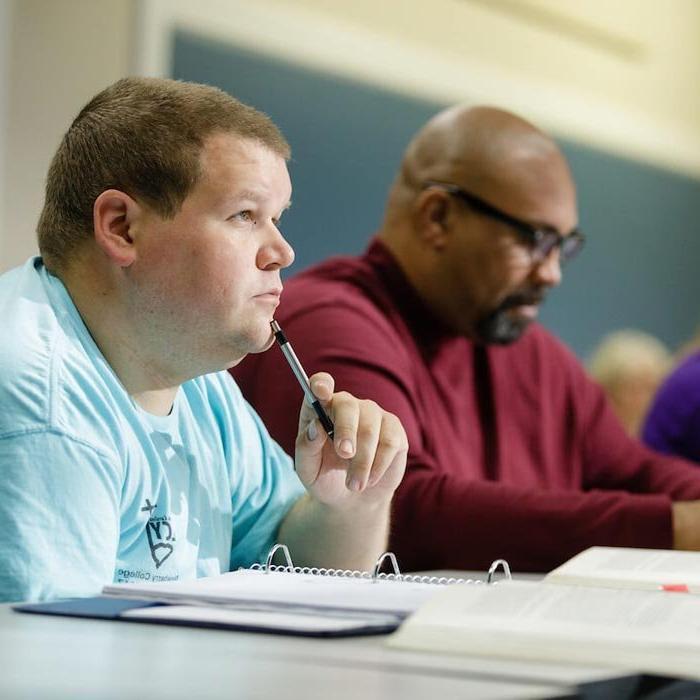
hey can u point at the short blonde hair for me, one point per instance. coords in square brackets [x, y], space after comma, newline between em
[628, 353]
[143, 136]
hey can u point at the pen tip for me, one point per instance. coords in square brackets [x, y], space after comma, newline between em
[275, 326]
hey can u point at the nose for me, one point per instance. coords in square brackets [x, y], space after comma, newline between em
[275, 253]
[547, 272]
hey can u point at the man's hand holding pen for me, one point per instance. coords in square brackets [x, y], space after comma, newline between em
[363, 462]
[355, 455]
[350, 455]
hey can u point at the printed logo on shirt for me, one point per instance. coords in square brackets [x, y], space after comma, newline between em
[161, 538]
[124, 575]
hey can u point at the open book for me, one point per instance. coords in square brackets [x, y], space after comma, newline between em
[619, 567]
[602, 616]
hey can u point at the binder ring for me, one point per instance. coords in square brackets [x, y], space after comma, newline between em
[374, 576]
[380, 562]
[287, 557]
[493, 569]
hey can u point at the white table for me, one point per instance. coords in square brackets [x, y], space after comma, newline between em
[51, 657]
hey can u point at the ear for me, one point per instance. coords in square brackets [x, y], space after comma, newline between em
[431, 211]
[114, 213]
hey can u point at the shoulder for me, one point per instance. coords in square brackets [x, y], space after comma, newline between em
[340, 279]
[683, 384]
[31, 334]
[341, 300]
[678, 399]
[50, 379]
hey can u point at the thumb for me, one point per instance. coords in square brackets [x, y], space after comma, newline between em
[311, 437]
[308, 456]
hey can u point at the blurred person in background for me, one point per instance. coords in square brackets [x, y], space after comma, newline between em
[513, 450]
[672, 425]
[630, 365]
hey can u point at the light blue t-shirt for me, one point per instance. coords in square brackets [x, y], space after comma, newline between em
[93, 489]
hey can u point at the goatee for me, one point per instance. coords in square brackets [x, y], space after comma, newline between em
[499, 327]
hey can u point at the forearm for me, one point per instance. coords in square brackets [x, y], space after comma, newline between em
[447, 522]
[613, 460]
[632, 467]
[332, 537]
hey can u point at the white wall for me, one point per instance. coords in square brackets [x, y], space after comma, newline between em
[61, 52]
[6, 8]
[622, 75]
[619, 75]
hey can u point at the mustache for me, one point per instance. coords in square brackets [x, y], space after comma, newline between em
[524, 298]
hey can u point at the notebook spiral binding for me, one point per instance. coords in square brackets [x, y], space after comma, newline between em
[375, 574]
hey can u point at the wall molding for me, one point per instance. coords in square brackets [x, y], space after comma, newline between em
[321, 42]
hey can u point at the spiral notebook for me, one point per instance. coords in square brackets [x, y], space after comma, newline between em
[283, 599]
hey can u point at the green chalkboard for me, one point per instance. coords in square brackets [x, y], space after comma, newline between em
[639, 267]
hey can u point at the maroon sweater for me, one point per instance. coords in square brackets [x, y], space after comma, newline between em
[514, 451]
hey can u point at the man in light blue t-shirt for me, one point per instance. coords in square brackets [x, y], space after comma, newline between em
[126, 451]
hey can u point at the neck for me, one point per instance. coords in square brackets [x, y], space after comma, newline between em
[159, 402]
[422, 267]
[139, 366]
[416, 262]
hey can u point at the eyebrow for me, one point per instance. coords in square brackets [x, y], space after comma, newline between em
[256, 197]
[249, 194]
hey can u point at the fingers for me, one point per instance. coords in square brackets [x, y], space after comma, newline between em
[379, 440]
[322, 384]
[357, 437]
[369, 443]
[391, 451]
[346, 418]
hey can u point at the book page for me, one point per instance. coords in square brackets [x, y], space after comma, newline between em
[287, 589]
[628, 567]
[651, 630]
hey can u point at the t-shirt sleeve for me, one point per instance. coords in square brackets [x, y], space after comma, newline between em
[264, 486]
[59, 517]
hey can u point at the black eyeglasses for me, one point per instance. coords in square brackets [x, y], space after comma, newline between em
[540, 241]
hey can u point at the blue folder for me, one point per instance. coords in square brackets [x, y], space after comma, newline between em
[106, 608]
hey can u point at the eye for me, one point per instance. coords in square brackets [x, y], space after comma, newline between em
[245, 216]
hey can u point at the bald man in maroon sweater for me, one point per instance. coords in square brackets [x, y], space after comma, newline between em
[514, 451]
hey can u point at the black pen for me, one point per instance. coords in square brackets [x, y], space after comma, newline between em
[302, 378]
